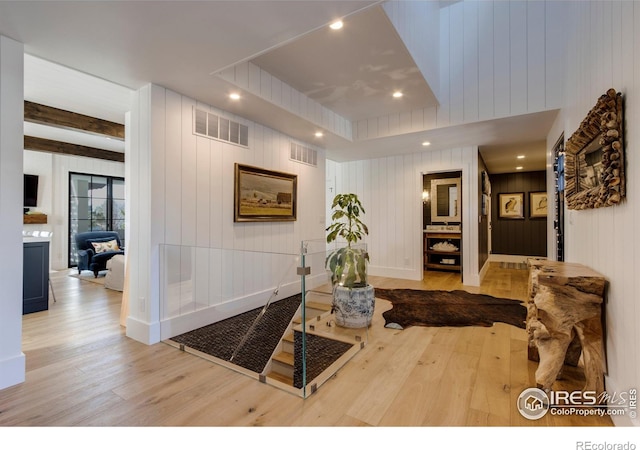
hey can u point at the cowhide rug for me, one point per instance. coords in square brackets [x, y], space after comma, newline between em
[449, 309]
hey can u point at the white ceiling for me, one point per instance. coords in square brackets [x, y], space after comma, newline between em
[182, 45]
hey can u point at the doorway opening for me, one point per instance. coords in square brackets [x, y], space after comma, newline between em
[442, 221]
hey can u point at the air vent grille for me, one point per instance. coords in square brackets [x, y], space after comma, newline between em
[215, 127]
[303, 154]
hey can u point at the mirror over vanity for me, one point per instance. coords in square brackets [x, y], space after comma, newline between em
[594, 159]
[445, 203]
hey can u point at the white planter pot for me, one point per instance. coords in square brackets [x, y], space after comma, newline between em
[354, 307]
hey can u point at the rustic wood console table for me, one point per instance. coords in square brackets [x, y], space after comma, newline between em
[565, 300]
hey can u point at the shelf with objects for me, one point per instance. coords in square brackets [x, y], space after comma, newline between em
[442, 250]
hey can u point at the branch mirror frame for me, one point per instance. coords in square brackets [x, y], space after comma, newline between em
[594, 157]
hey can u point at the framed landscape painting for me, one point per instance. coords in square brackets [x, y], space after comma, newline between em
[512, 205]
[263, 195]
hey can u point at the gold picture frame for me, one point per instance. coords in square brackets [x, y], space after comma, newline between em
[262, 195]
[511, 205]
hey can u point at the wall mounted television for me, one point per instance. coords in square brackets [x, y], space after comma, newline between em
[30, 191]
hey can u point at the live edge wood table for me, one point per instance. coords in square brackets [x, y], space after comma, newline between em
[565, 300]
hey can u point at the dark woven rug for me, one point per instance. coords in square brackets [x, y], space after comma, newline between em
[449, 309]
[222, 338]
[321, 353]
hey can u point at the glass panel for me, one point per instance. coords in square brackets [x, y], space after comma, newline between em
[118, 210]
[118, 225]
[99, 209]
[80, 185]
[91, 207]
[99, 225]
[81, 226]
[265, 304]
[117, 190]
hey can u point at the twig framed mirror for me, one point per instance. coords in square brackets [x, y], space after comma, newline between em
[594, 159]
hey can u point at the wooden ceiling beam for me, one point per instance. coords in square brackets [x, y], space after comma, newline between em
[65, 148]
[47, 115]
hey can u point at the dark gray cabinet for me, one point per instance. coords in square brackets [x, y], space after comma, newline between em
[35, 278]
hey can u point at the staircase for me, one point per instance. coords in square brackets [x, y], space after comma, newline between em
[282, 361]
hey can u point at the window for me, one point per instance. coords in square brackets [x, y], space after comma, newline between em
[96, 203]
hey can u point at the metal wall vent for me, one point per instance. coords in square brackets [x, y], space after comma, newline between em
[215, 127]
[303, 154]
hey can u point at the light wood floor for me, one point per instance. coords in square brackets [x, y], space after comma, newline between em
[83, 371]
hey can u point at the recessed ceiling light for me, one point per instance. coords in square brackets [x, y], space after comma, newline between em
[426, 143]
[520, 156]
[336, 25]
[397, 94]
[319, 134]
[519, 168]
[234, 96]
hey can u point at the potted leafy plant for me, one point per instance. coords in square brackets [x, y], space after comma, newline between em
[353, 297]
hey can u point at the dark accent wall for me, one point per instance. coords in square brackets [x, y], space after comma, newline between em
[483, 222]
[526, 236]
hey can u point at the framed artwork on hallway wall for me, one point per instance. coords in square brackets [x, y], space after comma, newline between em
[511, 205]
[537, 205]
[263, 195]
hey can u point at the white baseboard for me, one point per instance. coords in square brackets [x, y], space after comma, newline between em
[484, 270]
[147, 333]
[12, 371]
[511, 258]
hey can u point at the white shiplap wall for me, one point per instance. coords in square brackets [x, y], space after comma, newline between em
[604, 52]
[496, 59]
[391, 192]
[12, 360]
[190, 207]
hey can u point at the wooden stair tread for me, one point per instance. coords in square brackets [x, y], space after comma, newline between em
[284, 358]
[319, 306]
[288, 338]
[281, 378]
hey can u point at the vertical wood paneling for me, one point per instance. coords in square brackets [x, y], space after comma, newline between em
[198, 176]
[526, 237]
[391, 189]
[189, 169]
[555, 51]
[254, 78]
[485, 60]
[518, 56]
[203, 191]
[456, 61]
[443, 118]
[173, 168]
[471, 62]
[12, 360]
[502, 58]
[605, 52]
[536, 56]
